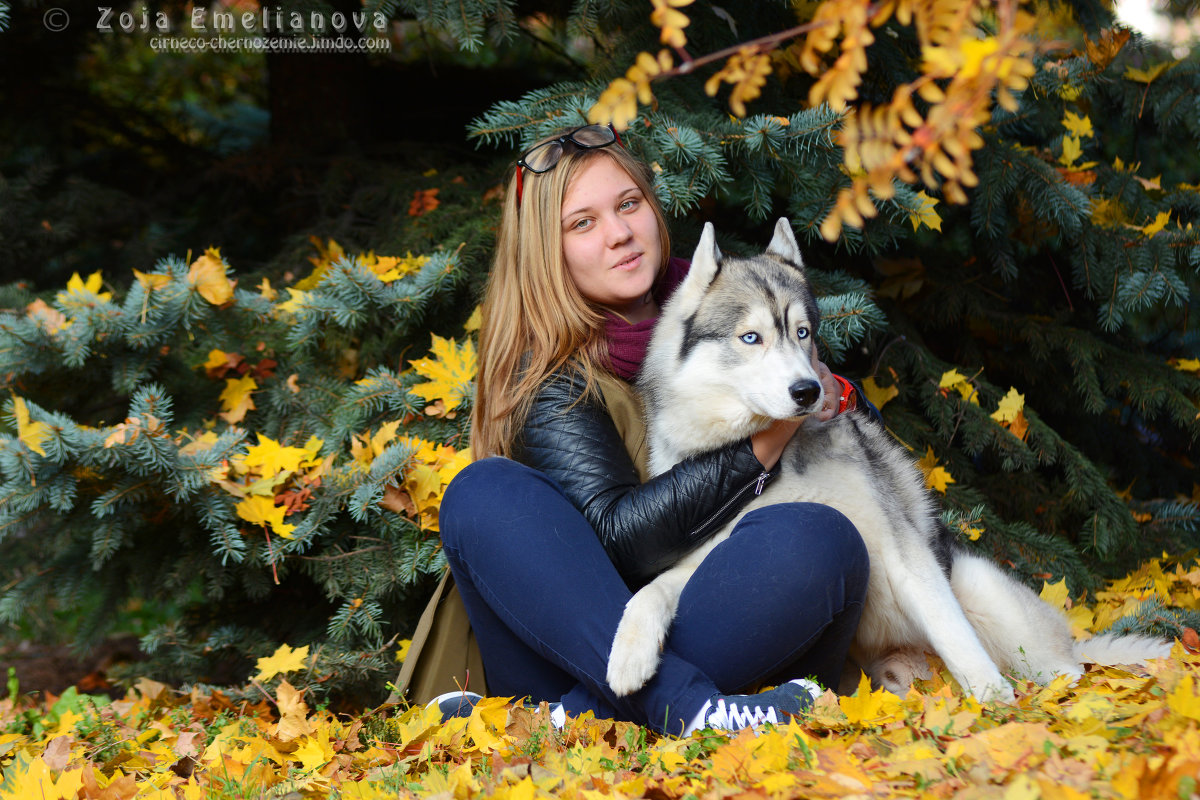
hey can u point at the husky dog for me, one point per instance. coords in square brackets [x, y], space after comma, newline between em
[735, 349]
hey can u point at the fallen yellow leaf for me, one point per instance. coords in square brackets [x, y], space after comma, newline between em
[31, 434]
[237, 398]
[879, 396]
[451, 372]
[263, 511]
[207, 276]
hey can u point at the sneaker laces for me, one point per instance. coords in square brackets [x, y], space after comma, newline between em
[738, 711]
[733, 715]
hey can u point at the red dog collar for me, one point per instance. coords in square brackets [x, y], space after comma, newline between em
[847, 399]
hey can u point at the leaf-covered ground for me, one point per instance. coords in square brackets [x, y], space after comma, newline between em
[1116, 733]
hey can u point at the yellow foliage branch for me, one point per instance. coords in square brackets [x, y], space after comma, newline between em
[963, 74]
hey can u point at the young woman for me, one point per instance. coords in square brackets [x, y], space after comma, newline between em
[552, 529]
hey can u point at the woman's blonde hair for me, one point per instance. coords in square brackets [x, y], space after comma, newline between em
[535, 321]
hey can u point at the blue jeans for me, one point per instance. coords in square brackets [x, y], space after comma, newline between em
[779, 599]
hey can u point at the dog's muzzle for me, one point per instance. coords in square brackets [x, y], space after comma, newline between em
[805, 393]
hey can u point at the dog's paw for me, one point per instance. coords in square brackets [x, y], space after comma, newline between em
[631, 664]
[634, 656]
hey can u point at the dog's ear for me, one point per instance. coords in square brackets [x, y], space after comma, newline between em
[706, 261]
[783, 243]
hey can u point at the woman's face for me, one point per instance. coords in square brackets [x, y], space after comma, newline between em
[610, 239]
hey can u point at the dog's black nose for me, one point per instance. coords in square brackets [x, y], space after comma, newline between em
[805, 393]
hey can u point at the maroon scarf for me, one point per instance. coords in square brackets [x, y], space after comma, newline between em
[627, 342]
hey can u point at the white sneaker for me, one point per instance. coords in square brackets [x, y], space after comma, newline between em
[455, 704]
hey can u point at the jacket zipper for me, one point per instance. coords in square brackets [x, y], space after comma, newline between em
[758, 482]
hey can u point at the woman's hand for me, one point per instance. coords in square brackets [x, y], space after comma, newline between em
[830, 391]
[768, 444]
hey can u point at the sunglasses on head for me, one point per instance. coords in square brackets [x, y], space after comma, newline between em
[545, 156]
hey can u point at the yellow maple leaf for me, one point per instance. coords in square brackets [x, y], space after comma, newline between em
[1187, 365]
[30, 433]
[926, 216]
[936, 476]
[391, 268]
[424, 484]
[263, 511]
[950, 379]
[487, 722]
[1011, 414]
[968, 530]
[265, 290]
[314, 752]
[92, 285]
[1072, 149]
[151, 281]
[1147, 76]
[879, 396]
[366, 447]
[272, 458]
[207, 276]
[450, 373]
[1077, 125]
[1011, 405]
[474, 322]
[385, 434]
[865, 707]
[296, 300]
[458, 783]
[236, 398]
[1107, 212]
[954, 380]
[1184, 700]
[1055, 594]
[216, 358]
[284, 659]
[34, 781]
[1160, 222]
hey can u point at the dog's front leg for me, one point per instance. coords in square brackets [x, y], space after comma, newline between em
[932, 604]
[956, 642]
[643, 630]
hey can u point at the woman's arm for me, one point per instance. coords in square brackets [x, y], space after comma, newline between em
[644, 528]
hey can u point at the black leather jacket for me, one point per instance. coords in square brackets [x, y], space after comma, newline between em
[644, 527]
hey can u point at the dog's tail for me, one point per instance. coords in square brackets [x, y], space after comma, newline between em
[1110, 649]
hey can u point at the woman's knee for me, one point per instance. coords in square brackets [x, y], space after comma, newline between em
[479, 493]
[815, 533]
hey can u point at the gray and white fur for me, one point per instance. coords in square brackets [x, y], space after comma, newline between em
[734, 350]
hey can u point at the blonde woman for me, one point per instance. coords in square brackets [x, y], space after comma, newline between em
[548, 534]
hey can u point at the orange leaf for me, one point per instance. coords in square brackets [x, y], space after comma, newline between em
[1104, 51]
[424, 201]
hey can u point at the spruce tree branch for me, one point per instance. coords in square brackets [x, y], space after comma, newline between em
[340, 556]
[553, 47]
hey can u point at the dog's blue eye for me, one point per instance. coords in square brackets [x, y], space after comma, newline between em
[750, 338]
[802, 333]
